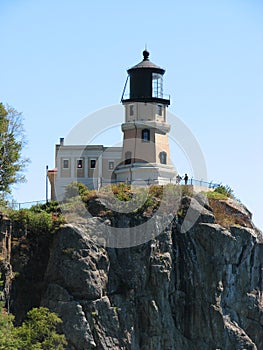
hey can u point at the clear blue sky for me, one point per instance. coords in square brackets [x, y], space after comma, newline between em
[62, 60]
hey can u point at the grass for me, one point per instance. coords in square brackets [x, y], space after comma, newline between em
[215, 195]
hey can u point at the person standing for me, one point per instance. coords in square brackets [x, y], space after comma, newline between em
[178, 179]
[185, 179]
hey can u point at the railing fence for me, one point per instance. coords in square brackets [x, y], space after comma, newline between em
[101, 183]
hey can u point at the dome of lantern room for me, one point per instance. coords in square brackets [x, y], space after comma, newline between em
[147, 64]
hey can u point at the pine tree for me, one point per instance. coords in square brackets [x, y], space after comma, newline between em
[39, 331]
[8, 338]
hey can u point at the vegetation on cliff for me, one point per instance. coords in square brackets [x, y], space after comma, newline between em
[32, 234]
[133, 200]
[37, 332]
[97, 291]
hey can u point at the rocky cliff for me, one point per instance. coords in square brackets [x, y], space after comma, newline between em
[5, 256]
[201, 289]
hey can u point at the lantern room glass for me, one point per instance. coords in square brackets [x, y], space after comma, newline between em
[157, 85]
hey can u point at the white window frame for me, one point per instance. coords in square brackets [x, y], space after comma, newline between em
[63, 160]
[77, 163]
[95, 160]
[111, 162]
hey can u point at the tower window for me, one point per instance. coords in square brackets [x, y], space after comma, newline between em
[111, 164]
[79, 164]
[128, 157]
[131, 110]
[145, 135]
[93, 163]
[160, 110]
[163, 157]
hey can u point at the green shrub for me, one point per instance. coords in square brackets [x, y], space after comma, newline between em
[8, 338]
[187, 190]
[215, 195]
[27, 220]
[156, 191]
[225, 190]
[37, 332]
[122, 192]
[49, 207]
[35, 221]
[76, 189]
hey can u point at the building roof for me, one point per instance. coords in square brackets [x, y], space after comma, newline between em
[146, 63]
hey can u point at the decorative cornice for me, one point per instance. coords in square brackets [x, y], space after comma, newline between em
[159, 127]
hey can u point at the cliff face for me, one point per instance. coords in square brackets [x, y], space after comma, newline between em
[199, 289]
[5, 255]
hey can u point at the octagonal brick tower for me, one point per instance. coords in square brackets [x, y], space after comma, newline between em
[146, 153]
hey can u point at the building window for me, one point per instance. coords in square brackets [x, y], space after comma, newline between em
[145, 135]
[131, 110]
[65, 163]
[79, 163]
[93, 163]
[128, 157]
[160, 110]
[111, 164]
[163, 157]
[79, 172]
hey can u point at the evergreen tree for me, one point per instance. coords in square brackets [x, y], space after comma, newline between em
[8, 339]
[39, 331]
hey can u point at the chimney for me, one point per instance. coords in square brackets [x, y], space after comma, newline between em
[62, 141]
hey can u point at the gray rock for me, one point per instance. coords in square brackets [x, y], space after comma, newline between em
[199, 288]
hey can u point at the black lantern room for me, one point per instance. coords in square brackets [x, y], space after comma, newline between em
[146, 83]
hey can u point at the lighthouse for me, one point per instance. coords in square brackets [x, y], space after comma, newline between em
[144, 157]
[145, 151]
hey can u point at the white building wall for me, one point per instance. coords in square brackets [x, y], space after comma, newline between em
[86, 153]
